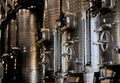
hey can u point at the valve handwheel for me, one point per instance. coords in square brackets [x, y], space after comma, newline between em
[106, 39]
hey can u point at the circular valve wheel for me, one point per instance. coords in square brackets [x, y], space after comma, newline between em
[106, 39]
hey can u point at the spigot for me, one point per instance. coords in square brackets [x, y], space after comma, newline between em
[105, 64]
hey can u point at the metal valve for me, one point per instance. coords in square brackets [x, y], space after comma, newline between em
[71, 20]
[46, 35]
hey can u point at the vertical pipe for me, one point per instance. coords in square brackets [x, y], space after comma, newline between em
[64, 63]
[95, 52]
[85, 37]
[88, 24]
[0, 30]
[94, 38]
[57, 53]
[92, 50]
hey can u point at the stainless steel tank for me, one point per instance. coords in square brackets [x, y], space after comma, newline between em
[29, 61]
[116, 33]
[72, 40]
[12, 49]
[72, 11]
[51, 13]
[4, 38]
[13, 34]
[4, 51]
[110, 24]
[74, 8]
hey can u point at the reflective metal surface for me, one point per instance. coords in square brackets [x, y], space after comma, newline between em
[27, 25]
[77, 41]
[94, 38]
[51, 13]
[111, 29]
[4, 38]
[13, 33]
[117, 32]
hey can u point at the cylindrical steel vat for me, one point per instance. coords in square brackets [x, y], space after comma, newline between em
[12, 33]
[116, 36]
[4, 40]
[4, 51]
[110, 24]
[52, 13]
[75, 7]
[29, 66]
